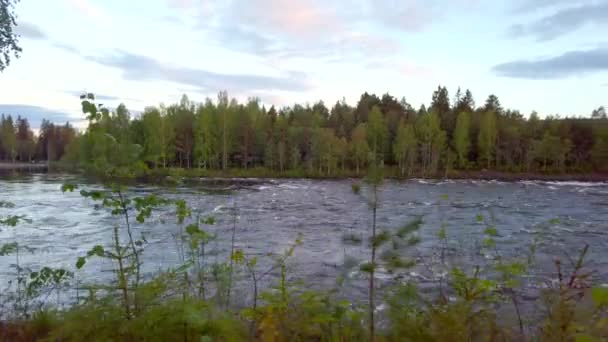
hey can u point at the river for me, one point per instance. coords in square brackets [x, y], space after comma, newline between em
[560, 216]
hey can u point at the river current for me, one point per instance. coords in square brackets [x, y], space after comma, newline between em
[558, 217]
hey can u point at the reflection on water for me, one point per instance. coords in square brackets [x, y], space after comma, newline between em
[560, 216]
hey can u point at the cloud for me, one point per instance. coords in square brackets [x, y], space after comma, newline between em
[101, 97]
[31, 31]
[406, 15]
[66, 47]
[35, 114]
[571, 63]
[563, 21]
[86, 7]
[525, 6]
[414, 71]
[143, 68]
[279, 29]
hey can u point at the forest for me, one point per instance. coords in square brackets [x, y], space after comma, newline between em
[451, 134]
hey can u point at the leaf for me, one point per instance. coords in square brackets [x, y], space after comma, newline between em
[184, 267]
[68, 187]
[12, 221]
[600, 296]
[367, 267]
[489, 242]
[554, 221]
[479, 218]
[8, 248]
[444, 197]
[512, 269]
[208, 220]
[80, 262]
[96, 250]
[491, 231]
[238, 256]
[380, 239]
[193, 229]
[410, 227]
[442, 233]
[182, 211]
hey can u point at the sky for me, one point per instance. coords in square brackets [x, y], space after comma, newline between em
[545, 55]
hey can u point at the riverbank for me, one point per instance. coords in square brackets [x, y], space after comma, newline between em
[389, 173]
[259, 172]
[21, 166]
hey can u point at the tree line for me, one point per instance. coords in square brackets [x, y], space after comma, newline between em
[452, 133]
[18, 143]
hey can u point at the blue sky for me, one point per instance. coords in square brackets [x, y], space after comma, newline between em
[544, 55]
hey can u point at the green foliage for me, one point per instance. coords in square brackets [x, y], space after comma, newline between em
[432, 141]
[8, 248]
[471, 287]
[47, 276]
[13, 221]
[600, 296]
[221, 136]
[367, 267]
[410, 227]
[491, 231]
[68, 187]
[487, 138]
[380, 239]
[9, 44]
[405, 148]
[462, 140]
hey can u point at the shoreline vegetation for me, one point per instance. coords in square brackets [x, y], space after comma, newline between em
[389, 173]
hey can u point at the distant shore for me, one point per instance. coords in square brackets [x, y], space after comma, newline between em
[21, 166]
[390, 173]
[522, 176]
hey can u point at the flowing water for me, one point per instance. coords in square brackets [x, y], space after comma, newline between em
[560, 216]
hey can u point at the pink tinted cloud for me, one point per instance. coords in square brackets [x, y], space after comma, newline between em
[372, 43]
[299, 18]
[87, 8]
[415, 71]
